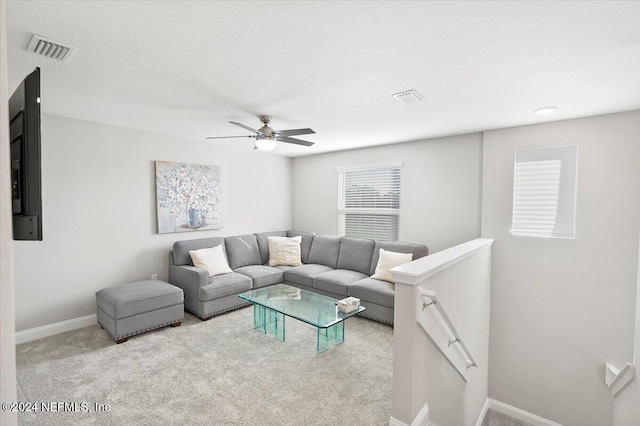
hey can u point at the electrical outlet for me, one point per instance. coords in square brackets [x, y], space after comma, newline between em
[154, 276]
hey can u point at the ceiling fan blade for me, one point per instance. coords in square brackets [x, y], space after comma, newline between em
[246, 127]
[228, 137]
[295, 141]
[295, 132]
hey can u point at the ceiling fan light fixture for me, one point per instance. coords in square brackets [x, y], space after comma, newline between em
[267, 138]
[266, 144]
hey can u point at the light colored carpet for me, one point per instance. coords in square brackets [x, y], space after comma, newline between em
[494, 418]
[216, 372]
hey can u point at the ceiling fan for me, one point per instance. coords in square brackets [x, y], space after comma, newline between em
[266, 137]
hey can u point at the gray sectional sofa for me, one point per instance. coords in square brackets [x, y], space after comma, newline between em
[334, 266]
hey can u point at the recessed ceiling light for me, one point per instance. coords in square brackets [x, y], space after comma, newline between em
[545, 110]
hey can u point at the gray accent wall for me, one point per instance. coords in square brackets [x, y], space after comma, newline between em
[561, 308]
[439, 194]
[99, 210]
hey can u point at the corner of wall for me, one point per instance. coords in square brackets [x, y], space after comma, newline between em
[7, 319]
[626, 409]
[291, 193]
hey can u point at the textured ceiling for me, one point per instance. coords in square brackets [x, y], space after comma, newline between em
[187, 68]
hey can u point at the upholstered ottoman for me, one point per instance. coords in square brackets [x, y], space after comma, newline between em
[131, 309]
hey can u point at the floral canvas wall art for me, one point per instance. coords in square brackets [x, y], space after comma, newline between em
[188, 197]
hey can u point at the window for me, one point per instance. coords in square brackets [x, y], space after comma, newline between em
[544, 192]
[369, 201]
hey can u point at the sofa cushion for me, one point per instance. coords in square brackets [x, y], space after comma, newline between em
[305, 246]
[418, 251]
[284, 251]
[304, 274]
[388, 260]
[261, 275]
[181, 249]
[325, 251]
[224, 285]
[284, 267]
[355, 254]
[263, 245]
[242, 250]
[337, 281]
[212, 259]
[374, 291]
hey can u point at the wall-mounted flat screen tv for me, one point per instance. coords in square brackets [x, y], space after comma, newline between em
[26, 191]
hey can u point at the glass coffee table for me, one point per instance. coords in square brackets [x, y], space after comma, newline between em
[271, 305]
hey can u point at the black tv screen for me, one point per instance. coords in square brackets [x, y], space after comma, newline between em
[26, 191]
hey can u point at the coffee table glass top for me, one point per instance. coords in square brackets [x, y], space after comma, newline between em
[312, 308]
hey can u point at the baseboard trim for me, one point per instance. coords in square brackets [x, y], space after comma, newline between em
[483, 412]
[422, 419]
[516, 413]
[55, 328]
[395, 422]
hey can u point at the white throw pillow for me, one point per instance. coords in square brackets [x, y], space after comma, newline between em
[212, 259]
[388, 260]
[284, 251]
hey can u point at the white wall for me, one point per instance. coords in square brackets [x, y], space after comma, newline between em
[464, 290]
[7, 322]
[99, 212]
[626, 408]
[439, 196]
[561, 308]
[461, 278]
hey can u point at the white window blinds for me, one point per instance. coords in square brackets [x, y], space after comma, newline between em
[544, 192]
[369, 201]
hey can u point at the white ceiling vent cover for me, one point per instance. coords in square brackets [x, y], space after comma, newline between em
[409, 97]
[50, 48]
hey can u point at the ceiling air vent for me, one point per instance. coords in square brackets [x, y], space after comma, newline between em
[50, 48]
[409, 97]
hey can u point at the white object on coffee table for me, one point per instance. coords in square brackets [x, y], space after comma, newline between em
[349, 304]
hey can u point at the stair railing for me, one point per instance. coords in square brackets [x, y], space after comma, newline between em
[430, 300]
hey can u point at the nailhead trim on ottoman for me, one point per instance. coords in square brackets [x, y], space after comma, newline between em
[134, 308]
